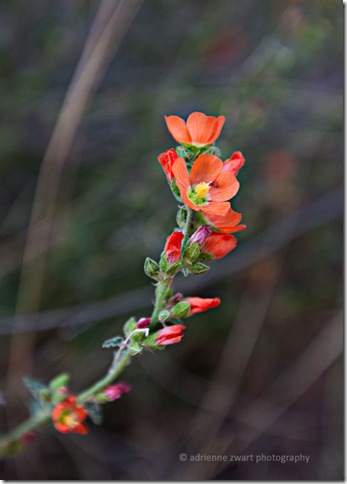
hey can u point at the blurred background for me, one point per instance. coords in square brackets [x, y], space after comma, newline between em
[85, 86]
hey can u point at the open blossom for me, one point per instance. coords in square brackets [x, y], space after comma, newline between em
[226, 223]
[207, 187]
[199, 130]
[113, 392]
[68, 416]
[234, 163]
[199, 304]
[166, 160]
[173, 247]
[170, 335]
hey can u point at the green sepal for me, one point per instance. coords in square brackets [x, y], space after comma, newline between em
[115, 342]
[151, 268]
[181, 217]
[181, 309]
[150, 342]
[199, 268]
[175, 190]
[206, 256]
[164, 315]
[187, 153]
[173, 268]
[163, 264]
[129, 326]
[94, 412]
[134, 348]
[58, 382]
[211, 150]
[192, 252]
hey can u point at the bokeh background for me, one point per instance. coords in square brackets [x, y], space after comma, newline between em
[85, 86]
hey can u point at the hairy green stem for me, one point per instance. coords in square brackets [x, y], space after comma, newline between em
[160, 294]
[186, 231]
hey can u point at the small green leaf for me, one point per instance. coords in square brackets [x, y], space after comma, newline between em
[59, 381]
[135, 348]
[206, 256]
[193, 252]
[163, 264]
[150, 342]
[181, 217]
[173, 268]
[181, 310]
[151, 268]
[175, 190]
[94, 412]
[164, 315]
[129, 326]
[199, 268]
[39, 391]
[115, 342]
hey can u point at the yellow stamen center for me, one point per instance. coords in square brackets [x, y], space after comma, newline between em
[201, 190]
[70, 420]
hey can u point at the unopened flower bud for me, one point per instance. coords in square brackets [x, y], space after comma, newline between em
[114, 392]
[200, 235]
[62, 391]
[143, 323]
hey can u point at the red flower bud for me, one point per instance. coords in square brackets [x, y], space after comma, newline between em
[200, 235]
[235, 163]
[170, 335]
[173, 247]
[143, 323]
[199, 305]
[114, 392]
[219, 244]
[166, 160]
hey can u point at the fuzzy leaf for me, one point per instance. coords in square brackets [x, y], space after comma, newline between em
[135, 348]
[39, 391]
[151, 268]
[115, 342]
[94, 412]
[193, 252]
[199, 268]
[59, 381]
[163, 264]
[129, 326]
[173, 267]
[164, 315]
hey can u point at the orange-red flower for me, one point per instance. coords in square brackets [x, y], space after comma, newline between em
[170, 335]
[207, 187]
[173, 247]
[219, 244]
[234, 163]
[199, 130]
[68, 416]
[199, 304]
[166, 160]
[225, 223]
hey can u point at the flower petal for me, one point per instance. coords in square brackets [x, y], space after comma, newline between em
[219, 244]
[226, 223]
[180, 171]
[216, 208]
[219, 125]
[224, 187]
[202, 128]
[178, 129]
[206, 169]
[235, 163]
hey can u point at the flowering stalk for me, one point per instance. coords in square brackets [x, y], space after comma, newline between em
[202, 184]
